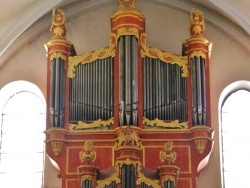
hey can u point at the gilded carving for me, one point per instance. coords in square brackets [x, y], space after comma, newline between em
[90, 57]
[58, 27]
[113, 178]
[127, 31]
[169, 125]
[197, 26]
[87, 177]
[128, 137]
[56, 55]
[197, 54]
[168, 178]
[57, 147]
[147, 181]
[122, 3]
[200, 145]
[95, 124]
[87, 155]
[166, 57]
[167, 155]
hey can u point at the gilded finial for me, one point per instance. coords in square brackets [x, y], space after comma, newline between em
[58, 27]
[122, 3]
[197, 26]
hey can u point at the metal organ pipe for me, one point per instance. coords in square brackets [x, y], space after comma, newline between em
[91, 94]
[57, 88]
[128, 81]
[198, 90]
[164, 90]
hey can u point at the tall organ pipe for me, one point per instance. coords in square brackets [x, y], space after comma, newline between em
[128, 81]
[57, 89]
[198, 90]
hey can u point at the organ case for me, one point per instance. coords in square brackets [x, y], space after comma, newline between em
[128, 115]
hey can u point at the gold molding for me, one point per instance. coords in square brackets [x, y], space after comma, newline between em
[95, 124]
[160, 123]
[167, 57]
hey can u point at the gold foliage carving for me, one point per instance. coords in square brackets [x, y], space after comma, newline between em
[57, 55]
[95, 124]
[168, 177]
[128, 137]
[127, 31]
[87, 177]
[197, 54]
[113, 178]
[167, 57]
[147, 181]
[170, 125]
[91, 56]
[131, 3]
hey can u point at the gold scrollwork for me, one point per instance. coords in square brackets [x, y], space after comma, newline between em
[95, 124]
[57, 55]
[160, 123]
[167, 57]
[197, 54]
[91, 56]
[87, 177]
[127, 31]
[168, 177]
[147, 181]
[113, 178]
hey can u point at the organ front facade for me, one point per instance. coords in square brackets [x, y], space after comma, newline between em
[128, 115]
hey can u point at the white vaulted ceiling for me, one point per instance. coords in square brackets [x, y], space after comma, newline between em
[16, 17]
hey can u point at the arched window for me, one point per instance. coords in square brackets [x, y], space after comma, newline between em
[235, 135]
[22, 109]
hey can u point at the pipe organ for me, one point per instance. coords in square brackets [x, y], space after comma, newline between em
[128, 115]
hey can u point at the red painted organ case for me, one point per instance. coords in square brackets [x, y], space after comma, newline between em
[128, 115]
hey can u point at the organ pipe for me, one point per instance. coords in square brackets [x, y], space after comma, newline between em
[128, 81]
[57, 87]
[91, 93]
[165, 94]
[198, 90]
